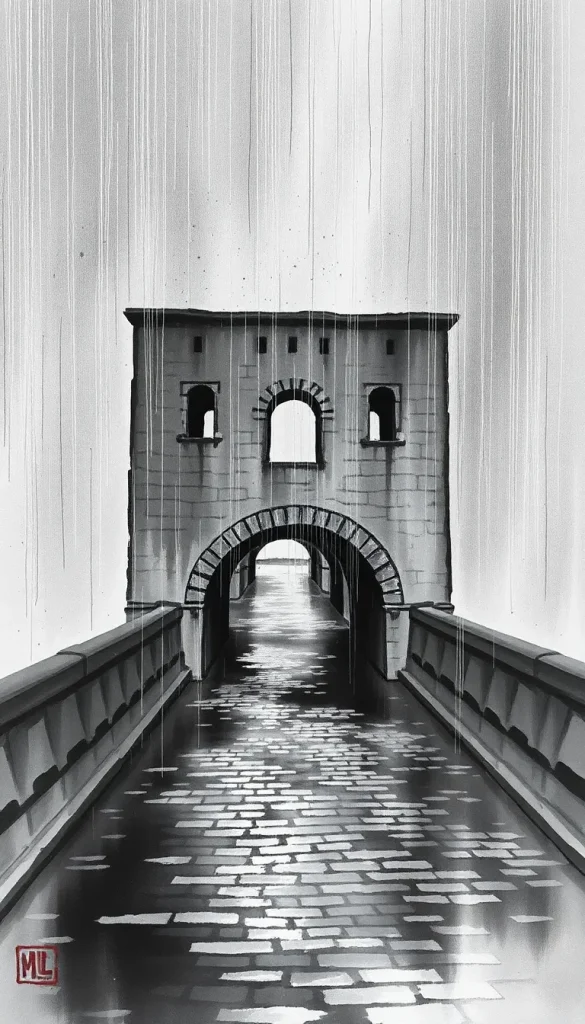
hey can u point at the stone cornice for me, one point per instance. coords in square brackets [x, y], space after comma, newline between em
[317, 320]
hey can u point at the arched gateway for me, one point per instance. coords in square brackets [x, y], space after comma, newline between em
[353, 554]
[332, 533]
[360, 478]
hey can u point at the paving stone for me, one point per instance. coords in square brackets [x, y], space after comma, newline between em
[398, 995]
[136, 919]
[252, 976]
[203, 917]
[284, 995]
[284, 960]
[206, 961]
[324, 942]
[356, 943]
[231, 948]
[218, 994]
[354, 960]
[308, 979]
[393, 975]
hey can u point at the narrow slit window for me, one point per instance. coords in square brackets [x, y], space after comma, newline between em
[292, 345]
[324, 346]
[198, 343]
[262, 346]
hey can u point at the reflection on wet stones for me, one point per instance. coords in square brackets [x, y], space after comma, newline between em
[281, 856]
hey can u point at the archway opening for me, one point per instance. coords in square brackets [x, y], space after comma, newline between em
[287, 604]
[349, 571]
[293, 433]
[201, 411]
[382, 414]
[282, 557]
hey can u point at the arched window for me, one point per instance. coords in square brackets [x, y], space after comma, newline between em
[200, 411]
[293, 432]
[382, 415]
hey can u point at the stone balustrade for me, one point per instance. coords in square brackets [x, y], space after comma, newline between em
[519, 707]
[67, 722]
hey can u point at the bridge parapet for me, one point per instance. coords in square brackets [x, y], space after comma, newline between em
[519, 707]
[67, 722]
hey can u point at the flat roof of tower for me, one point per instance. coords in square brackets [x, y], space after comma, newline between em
[141, 317]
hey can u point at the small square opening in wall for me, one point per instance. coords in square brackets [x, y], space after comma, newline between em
[389, 346]
[261, 346]
[198, 343]
[324, 346]
[292, 345]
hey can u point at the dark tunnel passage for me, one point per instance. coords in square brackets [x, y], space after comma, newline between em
[360, 588]
[288, 554]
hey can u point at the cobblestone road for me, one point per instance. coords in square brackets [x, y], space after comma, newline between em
[278, 856]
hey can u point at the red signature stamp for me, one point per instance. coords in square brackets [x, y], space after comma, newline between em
[37, 965]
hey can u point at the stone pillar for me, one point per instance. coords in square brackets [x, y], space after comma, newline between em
[396, 641]
[192, 631]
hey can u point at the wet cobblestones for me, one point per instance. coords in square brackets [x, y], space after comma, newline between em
[279, 856]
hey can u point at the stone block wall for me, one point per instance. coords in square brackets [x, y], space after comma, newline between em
[66, 724]
[519, 707]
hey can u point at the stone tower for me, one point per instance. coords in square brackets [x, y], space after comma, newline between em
[211, 480]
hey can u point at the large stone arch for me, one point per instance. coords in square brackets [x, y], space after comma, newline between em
[288, 520]
[371, 574]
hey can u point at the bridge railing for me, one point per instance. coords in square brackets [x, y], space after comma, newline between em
[65, 725]
[519, 707]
